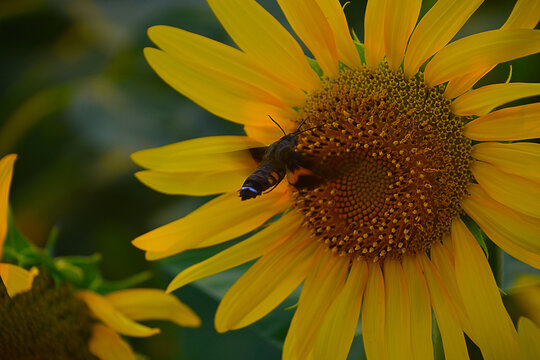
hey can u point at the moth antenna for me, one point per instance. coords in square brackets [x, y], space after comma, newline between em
[315, 127]
[299, 126]
[275, 122]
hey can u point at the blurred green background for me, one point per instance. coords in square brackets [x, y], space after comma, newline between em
[77, 98]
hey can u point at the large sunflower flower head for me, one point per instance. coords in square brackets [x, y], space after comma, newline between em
[65, 310]
[396, 157]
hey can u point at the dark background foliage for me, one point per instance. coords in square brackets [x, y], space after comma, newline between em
[77, 98]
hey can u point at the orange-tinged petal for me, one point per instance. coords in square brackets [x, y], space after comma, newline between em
[239, 102]
[318, 292]
[513, 191]
[445, 313]
[421, 326]
[525, 15]
[336, 333]
[108, 345]
[521, 158]
[194, 183]
[257, 245]
[113, 318]
[374, 32]
[335, 16]
[398, 310]
[482, 100]
[208, 53]
[513, 232]
[435, 30]
[311, 25]
[6, 173]
[16, 279]
[479, 51]
[217, 153]
[399, 21]
[223, 218]
[267, 283]
[153, 304]
[529, 334]
[491, 324]
[514, 123]
[263, 38]
[373, 314]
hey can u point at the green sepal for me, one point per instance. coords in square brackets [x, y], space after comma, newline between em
[81, 271]
[315, 66]
[15, 244]
[477, 233]
[106, 286]
[359, 47]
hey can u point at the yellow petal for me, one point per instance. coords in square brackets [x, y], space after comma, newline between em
[336, 333]
[525, 294]
[113, 318]
[257, 245]
[373, 314]
[513, 232]
[215, 153]
[421, 328]
[108, 345]
[521, 158]
[461, 84]
[445, 313]
[312, 27]
[267, 283]
[398, 311]
[479, 51]
[153, 304]
[318, 292]
[525, 15]
[374, 32]
[16, 279]
[266, 134]
[223, 218]
[239, 102]
[482, 100]
[529, 334]
[444, 262]
[514, 123]
[194, 183]
[6, 173]
[208, 53]
[515, 192]
[399, 21]
[435, 30]
[491, 324]
[263, 38]
[347, 52]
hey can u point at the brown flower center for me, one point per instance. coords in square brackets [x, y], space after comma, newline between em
[394, 164]
[46, 322]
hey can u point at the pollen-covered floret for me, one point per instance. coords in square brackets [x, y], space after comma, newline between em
[394, 161]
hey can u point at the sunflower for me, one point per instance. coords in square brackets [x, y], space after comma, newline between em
[399, 157]
[40, 319]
